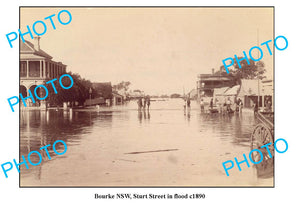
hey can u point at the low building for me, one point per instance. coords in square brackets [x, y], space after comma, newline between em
[104, 97]
[224, 93]
[123, 92]
[250, 92]
[95, 101]
[117, 99]
[104, 89]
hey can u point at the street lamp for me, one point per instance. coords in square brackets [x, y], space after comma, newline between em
[90, 91]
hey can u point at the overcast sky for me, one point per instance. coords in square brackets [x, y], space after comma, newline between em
[159, 50]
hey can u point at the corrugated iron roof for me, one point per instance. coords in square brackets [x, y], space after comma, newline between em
[233, 90]
[249, 87]
[220, 91]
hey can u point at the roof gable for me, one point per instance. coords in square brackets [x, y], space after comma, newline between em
[28, 47]
[249, 87]
[25, 48]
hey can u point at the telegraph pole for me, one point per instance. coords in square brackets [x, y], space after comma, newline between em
[257, 68]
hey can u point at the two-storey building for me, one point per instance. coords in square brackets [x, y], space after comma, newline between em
[36, 67]
[208, 82]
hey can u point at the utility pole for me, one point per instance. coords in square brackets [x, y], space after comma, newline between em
[258, 68]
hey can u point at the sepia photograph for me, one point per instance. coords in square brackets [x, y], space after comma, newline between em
[146, 96]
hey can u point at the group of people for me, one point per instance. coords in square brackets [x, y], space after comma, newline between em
[143, 102]
[226, 107]
[267, 106]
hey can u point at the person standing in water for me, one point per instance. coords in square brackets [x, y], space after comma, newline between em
[188, 102]
[228, 103]
[211, 104]
[140, 103]
[239, 105]
[202, 105]
[148, 102]
[145, 102]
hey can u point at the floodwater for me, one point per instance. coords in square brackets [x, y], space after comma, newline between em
[121, 146]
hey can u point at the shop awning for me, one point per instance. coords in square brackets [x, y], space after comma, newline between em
[232, 91]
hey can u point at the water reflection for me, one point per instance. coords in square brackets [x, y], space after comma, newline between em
[187, 113]
[102, 137]
[143, 115]
[39, 128]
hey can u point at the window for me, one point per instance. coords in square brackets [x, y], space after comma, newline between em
[23, 68]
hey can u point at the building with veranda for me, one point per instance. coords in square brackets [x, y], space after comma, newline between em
[36, 68]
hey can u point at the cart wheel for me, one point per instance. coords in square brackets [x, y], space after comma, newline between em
[262, 135]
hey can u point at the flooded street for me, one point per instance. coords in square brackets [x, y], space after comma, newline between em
[119, 146]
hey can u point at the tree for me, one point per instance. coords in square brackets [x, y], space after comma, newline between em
[78, 92]
[175, 95]
[253, 70]
[122, 85]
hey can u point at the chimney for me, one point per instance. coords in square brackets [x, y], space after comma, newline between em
[213, 71]
[36, 43]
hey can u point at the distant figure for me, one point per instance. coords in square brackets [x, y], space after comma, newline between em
[188, 102]
[228, 104]
[239, 105]
[224, 107]
[211, 104]
[255, 108]
[268, 106]
[202, 105]
[148, 102]
[140, 103]
[219, 105]
[145, 102]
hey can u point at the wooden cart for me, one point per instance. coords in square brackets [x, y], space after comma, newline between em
[262, 134]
